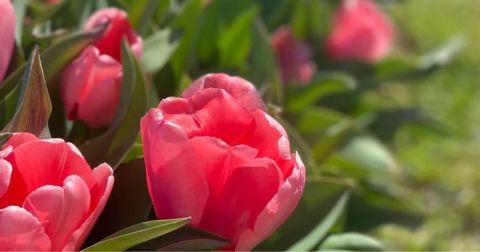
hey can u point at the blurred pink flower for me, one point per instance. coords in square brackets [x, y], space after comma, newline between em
[293, 56]
[91, 84]
[215, 155]
[50, 198]
[360, 32]
[7, 35]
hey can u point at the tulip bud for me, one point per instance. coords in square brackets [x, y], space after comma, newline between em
[91, 85]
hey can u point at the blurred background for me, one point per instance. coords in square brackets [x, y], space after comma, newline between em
[441, 169]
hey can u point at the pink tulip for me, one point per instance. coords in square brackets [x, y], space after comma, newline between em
[360, 32]
[215, 155]
[293, 56]
[49, 196]
[91, 84]
[7, 34]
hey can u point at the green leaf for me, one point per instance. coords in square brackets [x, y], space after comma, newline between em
[113, 145]
[141, 14]
[443, 55]
[263, 69]
[331, 139]
[128, 204]
[370, 153]
[137, 234]
[299, 22]
[185, 239]
[235, 40]
[351, 242]
[34, 106]
[321, 230]
[301, 97]
[20, 7]
[55, 58]
[158, 48]
[187, 22]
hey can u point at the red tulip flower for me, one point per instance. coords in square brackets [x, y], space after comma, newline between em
[293, 56]
[91, 84]
[214, 154]
[7, 34]
[360, 32]
[49, 196]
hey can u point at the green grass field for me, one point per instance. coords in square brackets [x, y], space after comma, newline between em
[443, 168]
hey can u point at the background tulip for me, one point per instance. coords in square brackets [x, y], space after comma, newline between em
[293, 56]
[49, 196]
[215, 155]
[91, 84]
[7, 34]
[360, 32]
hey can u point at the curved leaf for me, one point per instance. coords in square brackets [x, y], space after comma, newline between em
[351, 242]
[321, 230]
[137, 234]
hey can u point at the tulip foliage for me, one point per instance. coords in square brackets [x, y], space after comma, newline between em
[199, 125]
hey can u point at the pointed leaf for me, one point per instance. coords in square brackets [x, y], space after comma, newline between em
[34, 106]
[137, 234]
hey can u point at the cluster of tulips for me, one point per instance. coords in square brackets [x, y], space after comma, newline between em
[213, 154]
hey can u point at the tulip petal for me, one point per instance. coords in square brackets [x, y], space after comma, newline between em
[271, 139]
[241, 90]
[105, 179]
[38, 163]
[247, 191]
[18, 139]
[214, 110]
[7, 31]
[218, 161]
[62, 210]
[171, 174]
[277, 210]
[19, 230]
[5, 174]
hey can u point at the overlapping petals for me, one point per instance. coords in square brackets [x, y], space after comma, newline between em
[215, 155]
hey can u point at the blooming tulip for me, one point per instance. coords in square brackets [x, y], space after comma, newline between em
[7, 34]
[293, 56]
[49, 196]
[215, 155]
[91, 84]
[360, 32]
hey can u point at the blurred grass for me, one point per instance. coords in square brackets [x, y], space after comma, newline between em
[443, 169]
